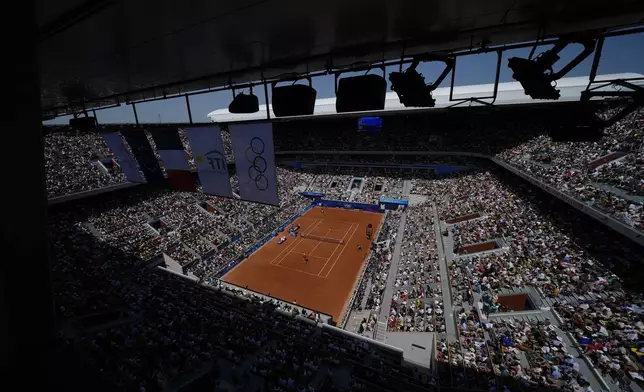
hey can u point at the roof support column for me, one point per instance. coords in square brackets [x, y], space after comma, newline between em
[26, 307]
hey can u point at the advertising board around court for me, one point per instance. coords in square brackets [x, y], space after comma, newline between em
[350, 205]
[312, 195]
[392, 204]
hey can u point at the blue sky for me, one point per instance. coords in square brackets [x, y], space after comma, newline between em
[620, 54]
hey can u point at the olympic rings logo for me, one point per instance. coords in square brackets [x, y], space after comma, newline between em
[258, 164]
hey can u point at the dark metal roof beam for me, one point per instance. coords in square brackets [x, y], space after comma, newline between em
[72, 17]
[287, 63]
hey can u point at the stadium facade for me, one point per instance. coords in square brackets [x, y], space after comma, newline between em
[509, 93]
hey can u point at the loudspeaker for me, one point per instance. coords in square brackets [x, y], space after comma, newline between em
[83, 124]
[360, 93]
[243, 103]
[294, 100]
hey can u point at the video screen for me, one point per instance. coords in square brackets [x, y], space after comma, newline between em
[369, 124]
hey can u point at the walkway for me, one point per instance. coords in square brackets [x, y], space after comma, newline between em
[393, 269]
[367, 290]
[442, 245]
[541, 315]
[92, 230]
[606, 187]
[406, 187]
[619, 192]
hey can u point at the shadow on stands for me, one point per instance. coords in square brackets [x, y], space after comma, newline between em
[126, 327]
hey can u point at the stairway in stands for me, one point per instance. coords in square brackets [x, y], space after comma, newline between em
[381, 329]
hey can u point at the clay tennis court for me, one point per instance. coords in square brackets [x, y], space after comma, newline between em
[324, 283]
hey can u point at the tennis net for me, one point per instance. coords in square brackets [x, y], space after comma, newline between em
[322, 238]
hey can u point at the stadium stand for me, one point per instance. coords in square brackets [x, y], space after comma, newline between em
[151, 329]
[72, 163]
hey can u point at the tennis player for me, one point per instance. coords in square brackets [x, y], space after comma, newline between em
[305, 258]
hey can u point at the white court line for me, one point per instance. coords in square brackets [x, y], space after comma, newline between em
[298, 243]
[336, 248]
[294, 244]
[288, 246]
[300, 271]
[291, 245]
[338, 257]
[317, 257]
[310, 230]
[319, 242]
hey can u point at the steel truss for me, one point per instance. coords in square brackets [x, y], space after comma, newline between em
[632, 91]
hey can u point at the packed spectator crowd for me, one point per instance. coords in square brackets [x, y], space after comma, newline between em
[174, 327]
[615, 187]
[417, 303]
[71, 163]
[166, 329]
[78, 162]
[611, 333]
[551, 362]
[199, 232]
[372, 287]
[573, 167]
[472, 232]
[542, 253]
[546, 250]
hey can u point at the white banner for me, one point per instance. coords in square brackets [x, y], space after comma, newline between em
[208, 153]
[123, 156]
[255, 162]
[174, 159]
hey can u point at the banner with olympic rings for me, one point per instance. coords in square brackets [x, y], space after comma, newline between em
[255, 161]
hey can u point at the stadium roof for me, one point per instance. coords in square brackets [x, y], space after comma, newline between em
[98, 53]
[509, 93]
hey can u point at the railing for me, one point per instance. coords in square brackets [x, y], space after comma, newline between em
[593, 212]
[323, 316]
[91, 192]
[583, 356]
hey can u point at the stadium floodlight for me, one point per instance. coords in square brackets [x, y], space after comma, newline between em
[244, 103]
[83, 124]
[293, 100]
[410, 85]
[537, 77]
[360, 93]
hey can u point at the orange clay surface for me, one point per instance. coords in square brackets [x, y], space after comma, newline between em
[326, 282]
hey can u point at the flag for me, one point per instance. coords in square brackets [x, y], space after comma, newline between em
[124, 158]
[208, 152]
[144, 155]
[174, 159]
[255, 162]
